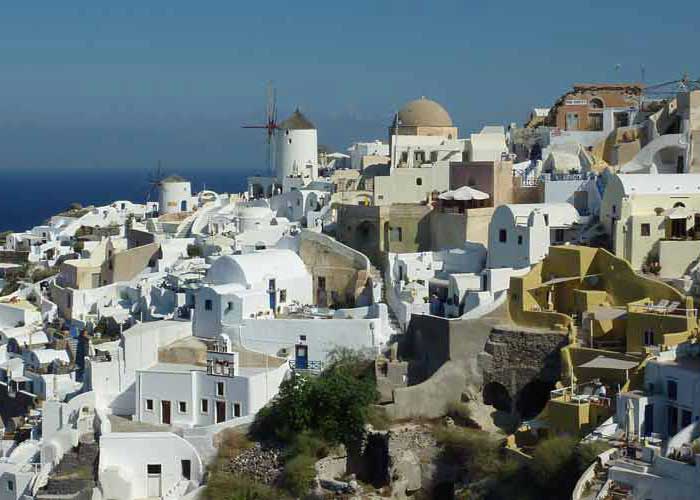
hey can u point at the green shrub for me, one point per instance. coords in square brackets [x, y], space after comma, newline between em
[226, 486]
[231, 443]
[308, 444]
[299, 474]
[334, 405]
[378, 418]
[554, 463]
[586, 453]
[477, 451]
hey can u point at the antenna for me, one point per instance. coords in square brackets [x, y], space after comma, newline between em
[270, 125]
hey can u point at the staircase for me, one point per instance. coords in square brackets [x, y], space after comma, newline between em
[74, 476]
[394, 325]
[177, 490]
[184, 230]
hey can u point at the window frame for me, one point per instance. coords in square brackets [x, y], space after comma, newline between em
[204, 406]
[222, 385]
[153, 404]
[179, 407]
[645, 229]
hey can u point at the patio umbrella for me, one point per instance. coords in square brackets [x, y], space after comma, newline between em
[465, 193]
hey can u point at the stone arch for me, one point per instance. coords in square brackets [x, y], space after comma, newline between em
[533, 398]
[496, 395]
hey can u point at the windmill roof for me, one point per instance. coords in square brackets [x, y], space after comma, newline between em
[173, 178]
[297, 122]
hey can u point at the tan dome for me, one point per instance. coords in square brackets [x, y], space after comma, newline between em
[424, 113]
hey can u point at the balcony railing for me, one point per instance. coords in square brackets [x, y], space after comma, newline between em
[220, 369]
[311, 366]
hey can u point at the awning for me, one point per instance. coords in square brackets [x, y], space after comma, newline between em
[605, 363]
[465, 193]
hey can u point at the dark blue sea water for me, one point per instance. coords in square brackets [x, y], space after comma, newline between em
[30, 196]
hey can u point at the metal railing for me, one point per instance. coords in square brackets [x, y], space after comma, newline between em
[311, 366]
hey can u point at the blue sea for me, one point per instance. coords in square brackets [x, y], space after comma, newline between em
[30, 196]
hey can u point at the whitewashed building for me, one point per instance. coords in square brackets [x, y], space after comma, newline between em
[520, 235]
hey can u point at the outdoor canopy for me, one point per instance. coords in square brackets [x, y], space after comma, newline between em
[465, 193]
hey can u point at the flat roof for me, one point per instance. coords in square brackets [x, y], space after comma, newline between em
[243, 371]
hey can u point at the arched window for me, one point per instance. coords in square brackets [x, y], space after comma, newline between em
[596, 103]
[679, 204]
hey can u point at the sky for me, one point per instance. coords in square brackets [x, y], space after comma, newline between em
[93, 84]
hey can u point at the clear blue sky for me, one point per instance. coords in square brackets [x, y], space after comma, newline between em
[86, 83]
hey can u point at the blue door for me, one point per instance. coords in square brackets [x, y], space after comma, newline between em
[301, 357]
[272, 292]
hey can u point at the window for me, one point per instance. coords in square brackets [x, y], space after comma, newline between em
[208, 305]
[229, 306]
[558, 235]
[219, 388]
[614, 210]
[419, 157]
[236, 409]
[502, 235]
[596, 103]
[204, 406]
[10, 486]
[648, 337]
[153, 469]
[419, 181]
[546, 219]
[520, 239]
[621, 119]
[595, 121]
[404, 157]
[395, 234]
[149, 405]
[571, 121]
[322, 282]
[182, 406]
[433, 156]
[646, 229]
[672, 389]
[283, 296]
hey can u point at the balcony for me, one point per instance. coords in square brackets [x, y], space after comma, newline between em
[312, 367]
[220, 368]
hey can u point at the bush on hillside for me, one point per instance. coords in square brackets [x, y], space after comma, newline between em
[227, 486]
[477, 451]
[299, 474]
[554, 463]
[334, 405]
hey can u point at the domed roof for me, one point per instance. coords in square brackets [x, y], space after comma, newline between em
[297, 122]
[424, 113]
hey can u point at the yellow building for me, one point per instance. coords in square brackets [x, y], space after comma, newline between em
[614, 318]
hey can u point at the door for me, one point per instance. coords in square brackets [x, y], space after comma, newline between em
[154, 481]
[272, 291]
[165, 412]
[301, 357]
[648, 420]
[186, 469]
[220, 411]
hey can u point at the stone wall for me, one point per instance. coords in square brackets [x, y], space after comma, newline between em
[514, 358]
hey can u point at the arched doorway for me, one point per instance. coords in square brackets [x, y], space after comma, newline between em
[497, 395]
[533, 398]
